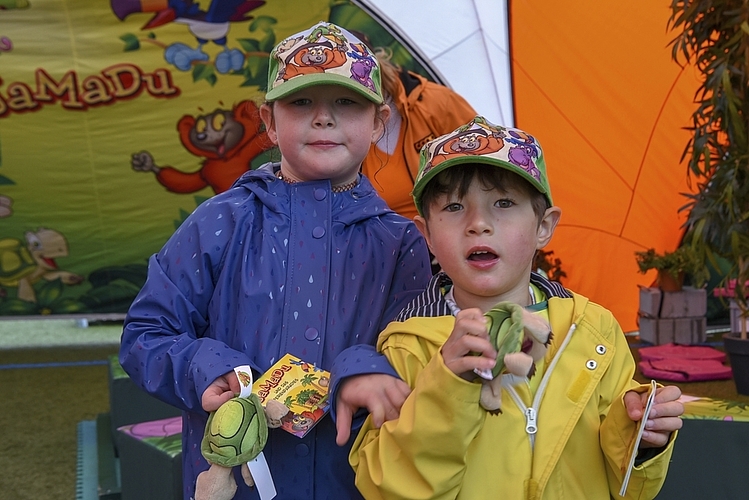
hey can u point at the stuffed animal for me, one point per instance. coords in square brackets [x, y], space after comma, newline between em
[234, 435]
[521, 339]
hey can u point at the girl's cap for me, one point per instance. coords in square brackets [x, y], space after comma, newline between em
[482, 142]
[322, 55]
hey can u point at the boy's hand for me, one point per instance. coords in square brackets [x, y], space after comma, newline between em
[220, 391]
[469, 338]
[382, 395]
[664, 415]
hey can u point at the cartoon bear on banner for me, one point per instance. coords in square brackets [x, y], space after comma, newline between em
[227, 140]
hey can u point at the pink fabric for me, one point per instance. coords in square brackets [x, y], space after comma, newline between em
[685, 370]
[683, 363]
[669, 351]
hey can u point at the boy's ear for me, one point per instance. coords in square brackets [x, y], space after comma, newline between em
[547, 226]
[421, 225]
[266, 114]
[382, 115]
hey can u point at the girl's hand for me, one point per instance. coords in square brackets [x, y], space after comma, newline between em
[220, 391]
[382, 395]
[468, 347]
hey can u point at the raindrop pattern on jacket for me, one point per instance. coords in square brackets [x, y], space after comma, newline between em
[263, 269]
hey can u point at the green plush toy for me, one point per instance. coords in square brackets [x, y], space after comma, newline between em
[520, 338]
[234, 435]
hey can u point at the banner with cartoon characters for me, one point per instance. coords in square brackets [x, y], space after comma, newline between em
[119, 117]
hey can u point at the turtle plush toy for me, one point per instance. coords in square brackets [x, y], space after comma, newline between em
[520, 338]
[234, 435]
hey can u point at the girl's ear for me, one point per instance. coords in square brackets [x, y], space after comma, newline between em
[547, 226]
[266, 114]
[382, 115]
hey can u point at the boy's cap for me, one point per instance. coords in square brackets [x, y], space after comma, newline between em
[483, 142]
[323, 54]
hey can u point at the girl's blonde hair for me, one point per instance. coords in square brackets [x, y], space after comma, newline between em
[388, 70]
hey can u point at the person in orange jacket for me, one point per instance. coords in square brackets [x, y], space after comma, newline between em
[421, 110]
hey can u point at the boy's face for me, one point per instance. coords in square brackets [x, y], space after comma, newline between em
[486, 242]
[323, 132]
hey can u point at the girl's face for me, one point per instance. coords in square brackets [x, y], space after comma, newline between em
[324, 132]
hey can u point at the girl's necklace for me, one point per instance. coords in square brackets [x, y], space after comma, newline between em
[336, 189]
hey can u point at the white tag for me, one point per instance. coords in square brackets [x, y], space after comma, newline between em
[261, 475]
[640, 430]
[258, 466]
[485, 374]
[244, 374]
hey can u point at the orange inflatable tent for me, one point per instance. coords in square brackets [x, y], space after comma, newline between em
[595, 83]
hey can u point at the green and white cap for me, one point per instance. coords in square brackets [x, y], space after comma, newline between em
[483, 142]
[322, 55]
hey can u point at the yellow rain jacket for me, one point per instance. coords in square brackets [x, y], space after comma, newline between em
[444, 445]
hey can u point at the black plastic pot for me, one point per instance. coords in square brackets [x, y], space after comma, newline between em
[738, 355]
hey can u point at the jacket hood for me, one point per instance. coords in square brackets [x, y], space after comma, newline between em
[360, 203]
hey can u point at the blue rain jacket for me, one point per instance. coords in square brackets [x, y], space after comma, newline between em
[260, 270]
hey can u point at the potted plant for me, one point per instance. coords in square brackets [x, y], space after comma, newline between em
[548, 265]
[672, 266]
[711, 35]
[729, 292]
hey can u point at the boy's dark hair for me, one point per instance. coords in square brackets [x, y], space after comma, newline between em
[458, 181]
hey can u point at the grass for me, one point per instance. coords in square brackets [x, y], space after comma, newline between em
[41, 409]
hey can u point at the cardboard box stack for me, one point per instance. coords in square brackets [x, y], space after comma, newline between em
[673, 317]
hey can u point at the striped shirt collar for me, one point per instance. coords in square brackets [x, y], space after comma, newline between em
[432, 301]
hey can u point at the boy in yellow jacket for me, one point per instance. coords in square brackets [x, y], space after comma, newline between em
[485, 208]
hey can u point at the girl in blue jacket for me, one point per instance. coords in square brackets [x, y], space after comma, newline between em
[300, 257]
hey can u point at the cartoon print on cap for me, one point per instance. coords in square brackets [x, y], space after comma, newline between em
[524, 153]
[480, 141]
[361, 69]
[468, 140]
[311, 57]
[481, 138]
[329, 31]
[327, 49]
